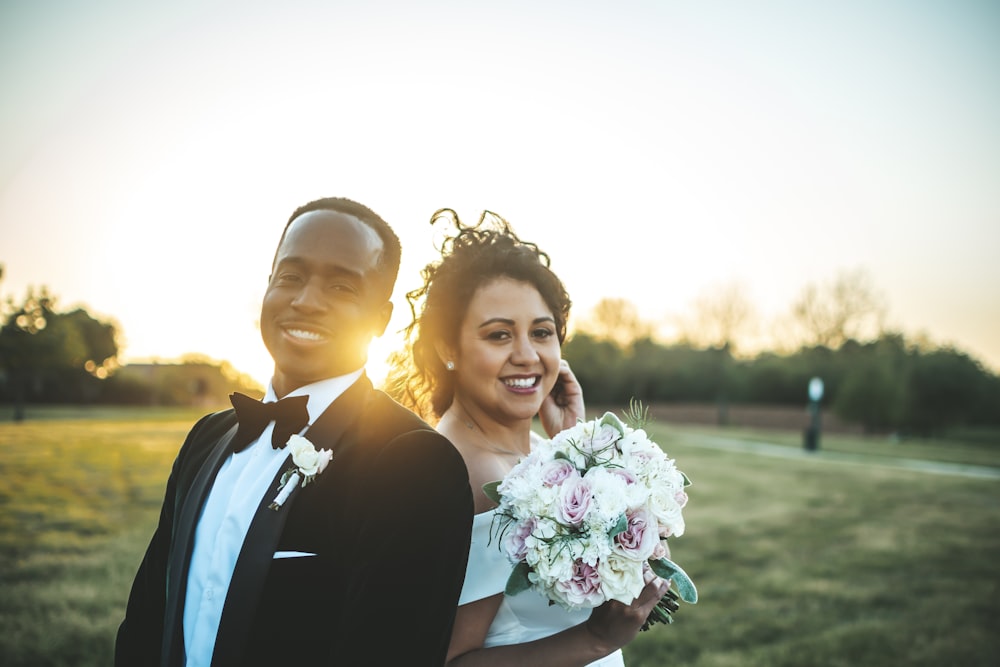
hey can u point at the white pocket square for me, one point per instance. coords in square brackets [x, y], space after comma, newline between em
[292, 554]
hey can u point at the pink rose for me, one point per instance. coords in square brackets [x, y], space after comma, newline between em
[640, 537]
[555, 472]
[681, 498]
[583, 588]
[601, 438]
[575, 498]
[515, 544]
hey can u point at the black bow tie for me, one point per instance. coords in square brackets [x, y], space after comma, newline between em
[289, 416]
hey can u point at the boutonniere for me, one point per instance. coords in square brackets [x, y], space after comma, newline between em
[308, 463]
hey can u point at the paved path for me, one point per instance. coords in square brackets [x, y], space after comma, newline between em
[916, 465]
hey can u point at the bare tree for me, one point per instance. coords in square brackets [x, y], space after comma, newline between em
[833, 313]
[722, 317]
[616, 320]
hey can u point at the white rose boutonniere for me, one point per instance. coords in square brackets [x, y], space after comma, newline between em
[308, 463]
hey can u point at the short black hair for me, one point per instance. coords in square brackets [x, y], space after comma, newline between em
[388, 262]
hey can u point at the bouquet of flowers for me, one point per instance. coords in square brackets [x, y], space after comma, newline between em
[581, 515]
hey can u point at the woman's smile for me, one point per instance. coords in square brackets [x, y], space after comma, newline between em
[521, 384]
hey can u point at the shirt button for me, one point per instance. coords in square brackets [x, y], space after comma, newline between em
[210, 593]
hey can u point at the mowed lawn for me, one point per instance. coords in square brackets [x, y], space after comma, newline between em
[799, 561]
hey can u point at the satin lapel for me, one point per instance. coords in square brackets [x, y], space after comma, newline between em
[330, 427]
[172, 652]
[255, 559]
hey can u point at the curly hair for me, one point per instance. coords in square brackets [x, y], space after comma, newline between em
[470, 258]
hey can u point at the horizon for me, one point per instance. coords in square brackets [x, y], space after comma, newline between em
[378, 366]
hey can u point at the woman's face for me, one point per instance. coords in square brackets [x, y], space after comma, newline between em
[508, 353]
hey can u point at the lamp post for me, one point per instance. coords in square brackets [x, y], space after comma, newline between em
[811, 441]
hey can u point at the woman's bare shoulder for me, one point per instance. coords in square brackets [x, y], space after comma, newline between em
[483, 468]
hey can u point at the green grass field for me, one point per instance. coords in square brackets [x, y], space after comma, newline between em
[800, 561]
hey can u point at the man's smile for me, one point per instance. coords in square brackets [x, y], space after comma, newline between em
[305, 333]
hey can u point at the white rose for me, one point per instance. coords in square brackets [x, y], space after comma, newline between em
[621, 578]
[304, 455]
[666, 509]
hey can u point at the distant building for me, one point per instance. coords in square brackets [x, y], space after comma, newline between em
[204, 384]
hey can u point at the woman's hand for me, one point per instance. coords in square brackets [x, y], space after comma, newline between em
[564, 407]
[614, 624]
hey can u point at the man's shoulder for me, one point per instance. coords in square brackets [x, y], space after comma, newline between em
[215, 423]
[388, 421]
[419, 453]
[210, 428]
[384, 407]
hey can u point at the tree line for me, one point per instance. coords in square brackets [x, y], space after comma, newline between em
[885, 382]
[54, 356]
[885, 385]
[873, 376]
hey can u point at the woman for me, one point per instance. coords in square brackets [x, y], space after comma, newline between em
[486, 360]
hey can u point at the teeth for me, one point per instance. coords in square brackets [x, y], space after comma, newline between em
[303, 334]
[520, 383]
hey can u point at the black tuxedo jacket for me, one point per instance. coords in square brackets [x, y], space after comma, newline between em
[389, 521]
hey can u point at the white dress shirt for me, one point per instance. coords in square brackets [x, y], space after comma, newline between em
[242, 481]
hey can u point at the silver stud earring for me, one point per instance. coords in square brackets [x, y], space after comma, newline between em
[450, 365]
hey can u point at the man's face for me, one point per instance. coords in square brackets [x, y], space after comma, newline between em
[324, 301]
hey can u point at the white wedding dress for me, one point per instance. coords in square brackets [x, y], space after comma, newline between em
[523, 617]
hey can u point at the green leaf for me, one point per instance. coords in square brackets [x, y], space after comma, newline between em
[612, 420]
[687, 482]
[619, 527]
[663, 568]
[518, 581]
[667, 569]
[490, 489]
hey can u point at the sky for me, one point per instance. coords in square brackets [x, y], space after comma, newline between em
[150, 153]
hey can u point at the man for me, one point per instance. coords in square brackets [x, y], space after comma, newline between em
[364, 563]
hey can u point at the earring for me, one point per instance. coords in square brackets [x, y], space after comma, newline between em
[450, 365]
